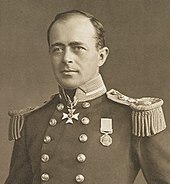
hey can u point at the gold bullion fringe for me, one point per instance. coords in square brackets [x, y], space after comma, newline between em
[15, 127]
[17, 119]
[148, 123]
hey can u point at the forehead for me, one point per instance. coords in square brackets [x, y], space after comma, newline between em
[74, 28]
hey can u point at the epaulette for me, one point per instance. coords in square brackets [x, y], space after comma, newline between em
[17, 118]
[147, 114]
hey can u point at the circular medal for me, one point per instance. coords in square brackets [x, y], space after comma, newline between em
[106, 140]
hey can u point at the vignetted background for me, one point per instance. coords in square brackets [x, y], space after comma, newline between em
[138, 35]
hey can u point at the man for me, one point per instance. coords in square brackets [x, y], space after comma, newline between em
[83, 134]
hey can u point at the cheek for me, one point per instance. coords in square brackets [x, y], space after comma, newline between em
[55, 67]
[55, 61]
[88, 64]
[92, 62]
[89, 59]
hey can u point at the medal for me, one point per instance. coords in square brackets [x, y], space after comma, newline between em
[106, 129]
[106, 140]
[70, 107]
[70, 116]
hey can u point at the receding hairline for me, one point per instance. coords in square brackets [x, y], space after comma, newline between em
[94, 22]
[70, 16]
[66, 19]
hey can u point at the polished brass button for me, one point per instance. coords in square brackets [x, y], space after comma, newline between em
[85, 105]
[81, 157]
[83, 138]
[53, 122]
[85, 120]
[60, 107]
[47, 139]
[45, 158]
[45, 177]
[79, 178]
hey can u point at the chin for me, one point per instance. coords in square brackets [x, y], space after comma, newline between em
[68, 85]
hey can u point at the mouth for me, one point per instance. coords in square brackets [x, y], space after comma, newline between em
[69, 71]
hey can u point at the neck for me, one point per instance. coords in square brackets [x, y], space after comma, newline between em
[70, 93]
[90, 90]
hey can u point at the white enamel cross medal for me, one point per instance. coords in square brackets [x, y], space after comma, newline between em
[70, 116]
[106, 129]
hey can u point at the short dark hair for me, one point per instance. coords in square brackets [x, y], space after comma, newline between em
[100, 32]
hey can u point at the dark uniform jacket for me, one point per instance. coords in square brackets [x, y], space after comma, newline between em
[50, 149]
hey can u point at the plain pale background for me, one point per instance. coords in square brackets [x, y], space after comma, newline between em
[138, 35]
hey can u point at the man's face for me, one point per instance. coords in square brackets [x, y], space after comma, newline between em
[74, 56]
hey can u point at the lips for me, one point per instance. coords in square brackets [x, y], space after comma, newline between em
[69, 71]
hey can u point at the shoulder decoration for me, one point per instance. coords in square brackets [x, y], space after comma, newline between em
[147, 114]
[17, 118]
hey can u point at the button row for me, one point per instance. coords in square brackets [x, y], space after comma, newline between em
[80, 157]
[60, 106]
[82, 138]
[79, 178]
[84, 120]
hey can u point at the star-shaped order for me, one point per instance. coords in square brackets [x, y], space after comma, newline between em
[70, 116]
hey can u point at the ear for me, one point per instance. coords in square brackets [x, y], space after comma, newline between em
[103, 53]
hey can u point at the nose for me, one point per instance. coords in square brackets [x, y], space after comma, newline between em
[68, 56]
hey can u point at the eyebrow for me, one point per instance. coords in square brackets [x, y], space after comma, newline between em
[74, 43]
[57, 44]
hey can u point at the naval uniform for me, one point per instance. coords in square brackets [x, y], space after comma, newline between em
[98, 138]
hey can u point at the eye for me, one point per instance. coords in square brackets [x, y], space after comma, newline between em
[57, 50]
[79, 48]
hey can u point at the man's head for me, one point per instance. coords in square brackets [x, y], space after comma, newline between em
[77, 48]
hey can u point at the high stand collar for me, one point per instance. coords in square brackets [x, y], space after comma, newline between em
[89, 91]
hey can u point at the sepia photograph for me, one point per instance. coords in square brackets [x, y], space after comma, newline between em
[85, 93]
